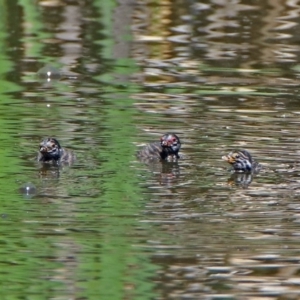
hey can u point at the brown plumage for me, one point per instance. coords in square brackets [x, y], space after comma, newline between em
[51, 152]
[166, 149]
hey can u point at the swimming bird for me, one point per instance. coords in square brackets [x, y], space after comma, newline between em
[51, 151]
[166, 149]
[242, 161]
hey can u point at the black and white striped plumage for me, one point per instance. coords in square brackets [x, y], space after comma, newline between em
[51, 151]
[166, 149]
[241, 161]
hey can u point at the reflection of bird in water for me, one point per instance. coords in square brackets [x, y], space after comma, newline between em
[51, 152]
[166, 149]
[164, 173]
[170, 172]
[244, 166]
[240, 179]
[49, 171]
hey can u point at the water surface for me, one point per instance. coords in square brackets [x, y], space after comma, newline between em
[220, 74]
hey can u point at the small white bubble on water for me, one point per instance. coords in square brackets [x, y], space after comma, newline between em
[28, 190]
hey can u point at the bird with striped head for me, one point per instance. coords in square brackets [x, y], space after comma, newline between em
[241, 161]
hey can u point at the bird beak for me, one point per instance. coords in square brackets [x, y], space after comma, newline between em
[228, 158]
[43, 149]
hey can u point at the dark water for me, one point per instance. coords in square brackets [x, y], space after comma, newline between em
[220, 74]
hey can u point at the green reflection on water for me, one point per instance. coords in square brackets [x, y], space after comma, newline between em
[119, 269]
[39, 257]
[35, 31]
